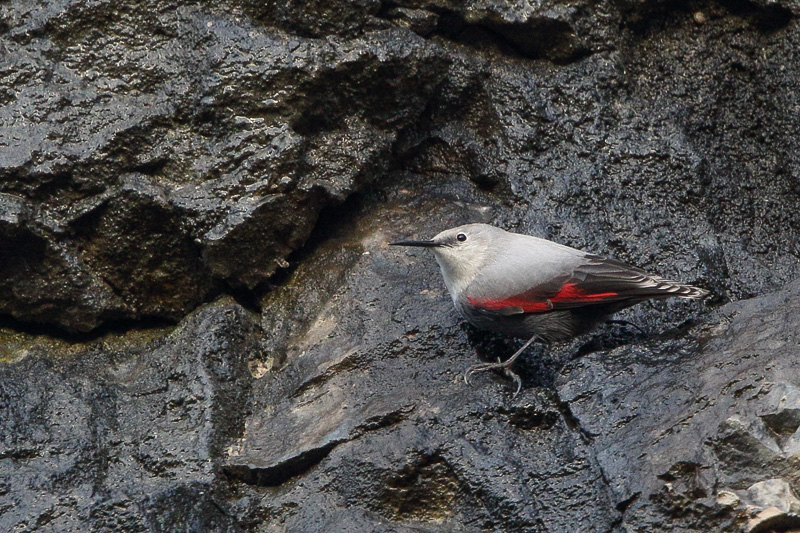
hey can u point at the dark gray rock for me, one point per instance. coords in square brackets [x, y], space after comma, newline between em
[675, 423]
[42, 280]
[220, 133]
[161, 161]
[190, 135]
[124, 433]
[137, 243]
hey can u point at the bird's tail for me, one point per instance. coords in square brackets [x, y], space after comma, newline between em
[679, 289]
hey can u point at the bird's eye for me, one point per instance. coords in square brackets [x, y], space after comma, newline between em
[461, 237]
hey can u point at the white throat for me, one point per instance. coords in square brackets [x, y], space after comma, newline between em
[459, 270]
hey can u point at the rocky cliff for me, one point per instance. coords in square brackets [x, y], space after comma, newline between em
[202, 328]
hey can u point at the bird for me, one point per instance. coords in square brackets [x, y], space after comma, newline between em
[531, 288]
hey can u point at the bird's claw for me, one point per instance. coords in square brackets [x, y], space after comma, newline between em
[483, 367]
[508, 372]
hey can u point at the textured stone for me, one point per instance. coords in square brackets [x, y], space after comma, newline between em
[773, 493]
[202, 328]
[124, 433]
[188, 151]
[673, 421]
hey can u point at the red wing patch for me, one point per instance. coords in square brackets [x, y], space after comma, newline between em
[569, 294]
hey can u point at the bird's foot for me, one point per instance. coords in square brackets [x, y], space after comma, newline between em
[504, 366]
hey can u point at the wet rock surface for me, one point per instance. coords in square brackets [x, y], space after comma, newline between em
[713, 412]
[125, 432]
[203, 329]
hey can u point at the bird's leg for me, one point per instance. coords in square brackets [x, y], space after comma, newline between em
[505, 366]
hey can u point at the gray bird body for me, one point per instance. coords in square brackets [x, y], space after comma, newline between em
[524, 286]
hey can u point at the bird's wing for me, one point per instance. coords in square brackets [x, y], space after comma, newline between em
[593, 280]
[601, 279]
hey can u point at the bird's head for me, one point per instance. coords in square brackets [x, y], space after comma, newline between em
[461, 252]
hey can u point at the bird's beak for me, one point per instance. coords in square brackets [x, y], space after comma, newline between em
[426, 244]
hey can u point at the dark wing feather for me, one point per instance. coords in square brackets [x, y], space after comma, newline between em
[606, 280]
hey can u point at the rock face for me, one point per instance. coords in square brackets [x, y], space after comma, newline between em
[124, 433]
[202, 328]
